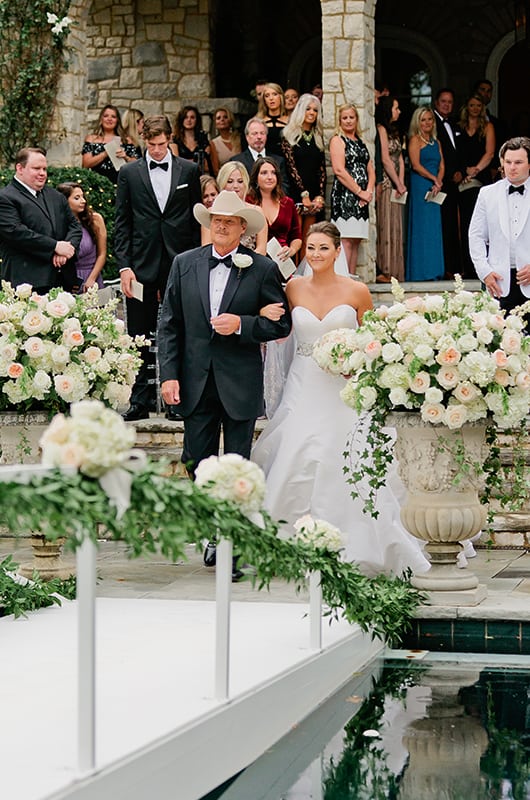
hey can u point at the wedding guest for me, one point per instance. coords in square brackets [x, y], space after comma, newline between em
[425, 259]
[291, 97]
[109, 128]
[390, 260]
[256, 134]
[271, 110]
[303, 149]
[133, 125]
[475, 146]
[92, 250]
[279, 210]
[209, 189]
[233, 177]
[190, 141]
[353, 184]
[227, 143]
[448, 134]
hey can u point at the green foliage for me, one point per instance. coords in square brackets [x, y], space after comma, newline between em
[166, 514]
[100, 193]
[18, 598]
[32, 58]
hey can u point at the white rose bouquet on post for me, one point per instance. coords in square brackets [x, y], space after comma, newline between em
[454, 358]
[57, 348]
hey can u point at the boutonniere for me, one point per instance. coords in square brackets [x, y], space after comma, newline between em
[241, 261]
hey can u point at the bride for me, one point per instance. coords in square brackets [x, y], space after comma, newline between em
[301, 449]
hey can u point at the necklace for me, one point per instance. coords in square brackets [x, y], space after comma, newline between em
[426, 141]
[307, 136]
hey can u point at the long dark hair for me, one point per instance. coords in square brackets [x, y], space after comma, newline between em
[118, 130]
[383, 115]
[179, 122]
[254, 191]
[86, 216]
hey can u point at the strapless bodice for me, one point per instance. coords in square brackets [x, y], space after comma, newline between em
[308, 328]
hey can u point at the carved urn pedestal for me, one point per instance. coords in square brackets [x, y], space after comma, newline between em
[442, 506]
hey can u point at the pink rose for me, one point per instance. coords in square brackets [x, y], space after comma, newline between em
[373, 349]
[448, 357]
[502, 377]
[15, 370]
[500, 357]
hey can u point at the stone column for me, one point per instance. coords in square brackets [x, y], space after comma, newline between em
[348, 77]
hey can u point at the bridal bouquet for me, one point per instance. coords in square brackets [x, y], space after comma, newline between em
[454, 358]
[56, 349]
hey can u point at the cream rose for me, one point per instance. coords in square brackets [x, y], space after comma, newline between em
[420, 383]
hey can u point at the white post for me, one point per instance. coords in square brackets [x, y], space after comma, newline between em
[86, 653]
[315, 611]
[223, 590]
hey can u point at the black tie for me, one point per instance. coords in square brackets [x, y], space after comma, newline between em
[519, 189]
[214, 262]
[40, 200]
[163, 165]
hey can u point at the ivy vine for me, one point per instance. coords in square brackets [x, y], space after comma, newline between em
[32, 58]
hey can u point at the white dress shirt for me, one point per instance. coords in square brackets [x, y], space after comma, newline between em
[218, 279]
[160, 179]
[255, 155]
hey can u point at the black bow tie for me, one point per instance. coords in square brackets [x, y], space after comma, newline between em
[519, 189]
[214, 262]
[163, 165]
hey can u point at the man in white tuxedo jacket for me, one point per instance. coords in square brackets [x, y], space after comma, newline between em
[499, 233]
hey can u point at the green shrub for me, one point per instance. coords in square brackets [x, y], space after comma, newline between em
[100, 193]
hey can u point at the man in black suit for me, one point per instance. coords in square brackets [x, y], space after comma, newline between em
[154, 222]
[447, 135]
[39, 234]
[256, 135]
[211, 330]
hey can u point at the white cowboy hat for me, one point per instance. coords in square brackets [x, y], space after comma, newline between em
[228, 204]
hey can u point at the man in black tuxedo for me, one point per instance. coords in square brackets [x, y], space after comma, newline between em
[256, 135]
[447, 136]
[39, 234]
[154, 222]
[211, 330]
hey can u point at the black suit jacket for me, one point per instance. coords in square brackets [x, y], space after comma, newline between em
[247, 160]
[188, 347]
[147, 239]
[29, 234]
[449, 151]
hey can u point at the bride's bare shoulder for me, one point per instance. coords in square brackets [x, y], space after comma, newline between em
[295, 285]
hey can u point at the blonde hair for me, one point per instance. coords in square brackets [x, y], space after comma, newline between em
[263, 111]
[414, 128]
[234, 136]
[227, 169]
[346, 107]
[130, 121]
[292, 132]
[463, 121]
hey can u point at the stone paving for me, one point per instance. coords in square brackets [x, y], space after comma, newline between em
[506, 574]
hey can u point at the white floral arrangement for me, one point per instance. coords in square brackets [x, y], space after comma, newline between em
[241, 261]
[93, 439]
[455, 358]
[334, 351]
[318, 533]
[232, 477]
[59, 26]
[57, 348]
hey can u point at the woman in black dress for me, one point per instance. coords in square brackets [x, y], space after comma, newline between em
[190, 141]
[303, 148]
[108, 129]
[271, 110]
[475, 147]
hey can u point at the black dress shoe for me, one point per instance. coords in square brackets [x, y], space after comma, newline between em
[237, 575]
[172, 413]
[136, 412]
[209, 557]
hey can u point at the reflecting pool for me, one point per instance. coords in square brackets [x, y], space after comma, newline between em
[426, 727]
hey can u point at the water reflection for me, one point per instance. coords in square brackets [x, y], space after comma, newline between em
[405, 732]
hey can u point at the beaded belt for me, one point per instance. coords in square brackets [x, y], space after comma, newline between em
[304, 349]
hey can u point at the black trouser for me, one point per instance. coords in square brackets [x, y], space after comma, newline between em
[202, 429]
[514, 298]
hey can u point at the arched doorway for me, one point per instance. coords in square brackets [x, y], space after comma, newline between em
[514, 91]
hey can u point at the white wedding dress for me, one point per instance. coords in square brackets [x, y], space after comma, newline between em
[301, 453]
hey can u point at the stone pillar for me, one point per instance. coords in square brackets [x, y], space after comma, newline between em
[348, 76]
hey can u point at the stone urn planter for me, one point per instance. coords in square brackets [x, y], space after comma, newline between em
[19, 444]
[442, 507]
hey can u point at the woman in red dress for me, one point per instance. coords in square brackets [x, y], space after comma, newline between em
[279, 210]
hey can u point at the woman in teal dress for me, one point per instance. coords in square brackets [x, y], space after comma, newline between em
[425, 258]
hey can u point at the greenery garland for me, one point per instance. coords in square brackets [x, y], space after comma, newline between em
[166, 514]
[18, 597]
[32, 59]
